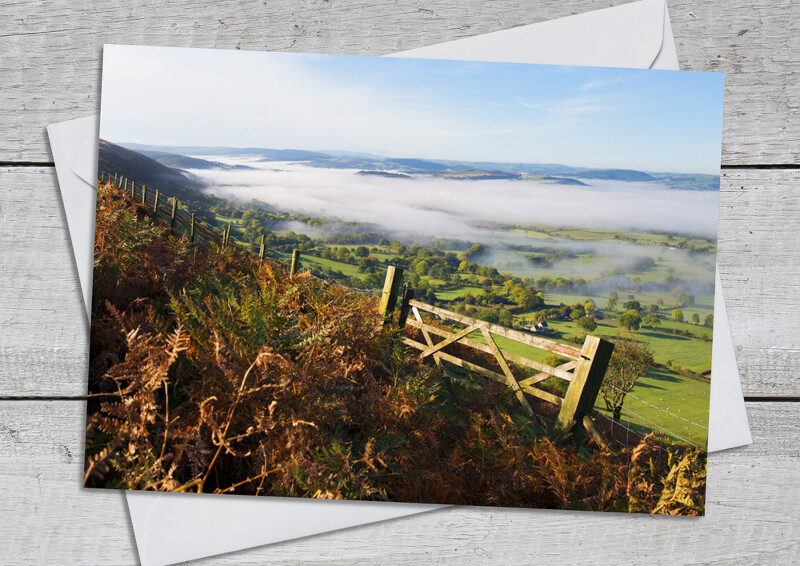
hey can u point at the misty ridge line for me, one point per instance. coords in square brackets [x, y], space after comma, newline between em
[422, 164]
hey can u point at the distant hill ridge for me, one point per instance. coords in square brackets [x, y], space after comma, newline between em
[179, 156]
[185, 162]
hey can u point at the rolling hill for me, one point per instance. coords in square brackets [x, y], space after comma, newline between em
[113, 158]
[185, 162]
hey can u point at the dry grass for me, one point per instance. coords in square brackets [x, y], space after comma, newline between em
[212, 372]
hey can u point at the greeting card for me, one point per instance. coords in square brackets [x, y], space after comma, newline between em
[403, 280]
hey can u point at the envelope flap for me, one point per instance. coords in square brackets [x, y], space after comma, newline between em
[74, 147]
[71, 140]
[624, 36]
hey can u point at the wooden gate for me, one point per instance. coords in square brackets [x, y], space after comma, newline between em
[584, 371]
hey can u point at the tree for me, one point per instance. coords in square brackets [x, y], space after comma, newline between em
[473, 250]
[632, 305]
[709, 321]
[589, 307]
[343, 254]
[611, 302]
[553, 360]
[422, 268]
[587, 324]
[575, 314]
[361, 251]
[629, 362]
[630, 320]
[652, 320]
[695, 318]
[677, 315]
[505, 318]
[526, 298]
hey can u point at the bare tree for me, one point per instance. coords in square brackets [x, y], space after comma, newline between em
[630, 361]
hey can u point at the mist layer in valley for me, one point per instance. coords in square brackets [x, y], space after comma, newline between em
[501, 214]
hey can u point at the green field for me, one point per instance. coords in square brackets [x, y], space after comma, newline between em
[451, 294]
[660, 400]
[345, 268]
[679, 399]
[683, 350]
[703, 304]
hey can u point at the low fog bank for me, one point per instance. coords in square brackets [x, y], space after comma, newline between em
[457, 208]
[612, 265]
[423, 209]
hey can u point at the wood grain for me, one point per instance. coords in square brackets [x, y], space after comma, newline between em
[43, 350]
[750, 518]
[50, 52]
[50, 71]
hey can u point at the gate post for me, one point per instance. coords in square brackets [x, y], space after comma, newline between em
[174, 211]
[295, 262]
[408, 294]
[585, 384]
[391, 286]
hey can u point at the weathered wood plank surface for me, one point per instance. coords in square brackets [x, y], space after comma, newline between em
[43, 346]
[50, 51]
[751, 517]
[50, 71]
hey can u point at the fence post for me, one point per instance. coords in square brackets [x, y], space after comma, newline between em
[408, 294]
[585, 384]
[115, 180]
[295, 262]
[144, 194]
[191, 231]
[155, 205]
[391, 286]
[261, 250]
[174, 211]
[227, 235]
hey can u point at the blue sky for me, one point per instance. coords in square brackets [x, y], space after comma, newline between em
[579, 116]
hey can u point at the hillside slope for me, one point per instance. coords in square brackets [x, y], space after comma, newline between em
[213, 372]
[113, 158]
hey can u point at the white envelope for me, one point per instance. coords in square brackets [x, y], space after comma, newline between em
[175, 527]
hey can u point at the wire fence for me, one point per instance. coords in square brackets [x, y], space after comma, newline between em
[319, 274]
[632, 396]
[649, 422]
[203, 231]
